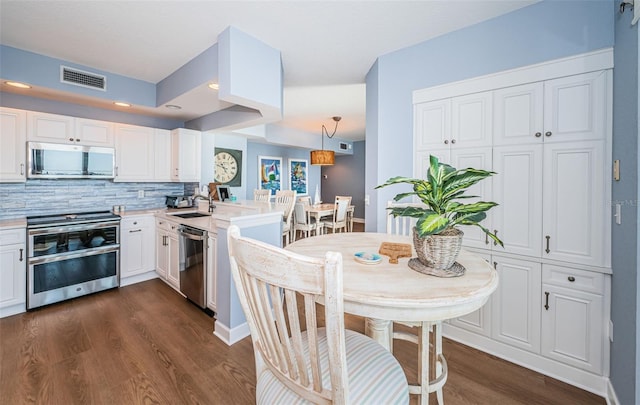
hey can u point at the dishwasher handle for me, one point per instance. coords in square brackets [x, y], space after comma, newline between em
[193, 234]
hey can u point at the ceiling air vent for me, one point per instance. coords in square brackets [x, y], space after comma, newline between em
[81, 78]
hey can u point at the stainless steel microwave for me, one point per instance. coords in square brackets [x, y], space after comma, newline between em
[59, 161]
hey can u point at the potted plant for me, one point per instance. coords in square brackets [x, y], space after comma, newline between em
[436, 238]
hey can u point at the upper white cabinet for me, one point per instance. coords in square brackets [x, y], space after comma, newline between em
[569, 109]
[162, 155]
[43, 127]
[185, 155]
[134, 153]
[458, 122]
[13, 152]
[574, 197]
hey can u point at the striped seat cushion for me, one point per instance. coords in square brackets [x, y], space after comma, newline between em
[375, 376]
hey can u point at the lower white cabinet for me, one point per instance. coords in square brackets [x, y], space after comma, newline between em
[13, 270]
[573, 317]
[137, 247]
[516, 303]
[168, 252]
[478, 321]
[211, 273]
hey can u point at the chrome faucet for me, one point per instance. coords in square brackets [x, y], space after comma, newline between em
[212, 206]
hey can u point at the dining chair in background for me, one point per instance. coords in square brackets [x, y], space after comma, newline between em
[297, 359]
[285, 200]
[261, 195]
[303, 222]
[418, 332]
[339, 219]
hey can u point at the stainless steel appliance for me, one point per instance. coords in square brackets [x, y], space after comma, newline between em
[193, 264]
[179, 201]
[70, 255]
[54, 161]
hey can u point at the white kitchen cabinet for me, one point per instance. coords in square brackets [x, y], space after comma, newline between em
[478, 321]
[517, 188]
[574, 197]
[515, 316]
[518, 114]
[134, 153]
[137, 247]
[432, 125]
[212, 273]
[13, 270]
[54, 128]
[13, 162]
[575, 107]
[162, 155]
[94, 132]
[185, 155]
[168, 252]
[573, 331]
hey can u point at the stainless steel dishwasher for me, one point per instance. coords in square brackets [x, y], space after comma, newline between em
[193, 264]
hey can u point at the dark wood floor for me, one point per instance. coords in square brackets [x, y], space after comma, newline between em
[145, 344]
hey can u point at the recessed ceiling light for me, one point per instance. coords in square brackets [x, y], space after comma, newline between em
[173, 107]
[214, 86]
[121, 104]
[18, 85]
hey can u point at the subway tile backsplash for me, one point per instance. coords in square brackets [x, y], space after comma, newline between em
[42, 197]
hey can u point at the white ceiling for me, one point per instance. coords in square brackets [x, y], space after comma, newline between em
[327, 46]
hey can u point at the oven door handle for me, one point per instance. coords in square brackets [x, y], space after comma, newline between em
[74, 255]
[191, 236]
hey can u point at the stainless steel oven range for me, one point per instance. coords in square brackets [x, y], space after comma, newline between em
[70, 255]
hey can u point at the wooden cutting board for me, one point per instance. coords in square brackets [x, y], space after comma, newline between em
[395, 251]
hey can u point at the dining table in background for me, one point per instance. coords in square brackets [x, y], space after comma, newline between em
[323, 210]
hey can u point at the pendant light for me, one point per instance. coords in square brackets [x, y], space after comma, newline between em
[325, 157]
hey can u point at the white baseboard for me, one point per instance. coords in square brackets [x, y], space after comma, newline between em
[611, 398]
[231, 336]
[13, 310]
[138, 278]
[358, 220]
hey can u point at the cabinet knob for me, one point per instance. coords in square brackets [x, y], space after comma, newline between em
[453, 141]
[571, 279]
[548, 133]
[70, 139]
[538, 134]
[446, 142]
[77, 139]
[135, 222]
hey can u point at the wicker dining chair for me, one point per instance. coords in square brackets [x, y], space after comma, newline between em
[297, 360]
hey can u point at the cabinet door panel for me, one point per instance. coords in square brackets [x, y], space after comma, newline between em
[42, 127]
[471, 120]
[162, 155]
[13, 153]
[574, 202]
[12, 275]
[518, 114]
[478, 158]
[162, 254]
[573, 330]
[517, 188]
[432, 124]
[92, 132]
[516, 304]
[173, 274]
[575, 107]
[134, 153]
[211, 274]
[478, 321]
[185, 151]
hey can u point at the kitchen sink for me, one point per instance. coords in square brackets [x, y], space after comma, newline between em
[191, 215]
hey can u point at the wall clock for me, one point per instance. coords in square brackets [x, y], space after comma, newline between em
[228, 166]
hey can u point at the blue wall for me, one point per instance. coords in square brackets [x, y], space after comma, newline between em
[624, 257]
[544, 31]
[346, 178]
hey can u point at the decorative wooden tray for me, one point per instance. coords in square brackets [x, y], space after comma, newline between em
[395, 251]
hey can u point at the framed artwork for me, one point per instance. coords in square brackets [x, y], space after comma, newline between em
[228, 166]
[269, 173]
[224, 193]
[298, 169]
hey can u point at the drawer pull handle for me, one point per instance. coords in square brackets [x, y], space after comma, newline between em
[495, 232]
[546, 302]
[547, 249]
[495, 265]
[571, 278]
[21, 254]
[135, 230]
[486, 239]
[21, 169]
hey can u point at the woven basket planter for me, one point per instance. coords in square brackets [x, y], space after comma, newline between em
[439, 252]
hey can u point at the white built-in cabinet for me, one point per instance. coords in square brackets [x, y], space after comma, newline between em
[162, 155]
[168, 252]
[185, 155]
[548, 140]
[137, 245]
[54, 128]
[134, 153]
[211, 273]
[13, 271]
[13, 165]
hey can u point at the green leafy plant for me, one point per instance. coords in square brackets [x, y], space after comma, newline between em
[440, 192]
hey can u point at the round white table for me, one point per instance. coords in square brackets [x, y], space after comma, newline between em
[385, 292]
